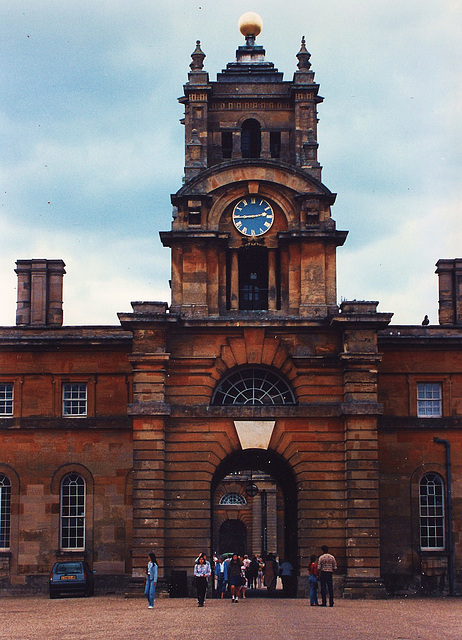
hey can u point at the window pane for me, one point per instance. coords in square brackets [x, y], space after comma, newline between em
[233, 499]
[431, 498]
[6, 399]
[253, 386]
[74, 399]
[5, 512]
[429, 404]
[73, 512]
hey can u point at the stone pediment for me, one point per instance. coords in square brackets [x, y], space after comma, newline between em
[268, 171]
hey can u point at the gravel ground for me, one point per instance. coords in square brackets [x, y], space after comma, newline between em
[114, 618]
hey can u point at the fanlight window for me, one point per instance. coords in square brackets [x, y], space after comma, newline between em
[253, 385]
[232, 499]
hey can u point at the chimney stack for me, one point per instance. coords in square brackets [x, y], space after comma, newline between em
[450, 291]
[40, 293]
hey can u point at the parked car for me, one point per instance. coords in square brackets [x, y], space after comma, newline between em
[71, 577]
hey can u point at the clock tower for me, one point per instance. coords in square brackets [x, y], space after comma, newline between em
[252, 228]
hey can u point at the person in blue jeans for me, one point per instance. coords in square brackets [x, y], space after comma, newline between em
[151, 580]
[221, 574]
[313, 581]
[327, 564]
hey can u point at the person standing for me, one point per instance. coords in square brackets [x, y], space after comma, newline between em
[286, 571]
[260, 573]
[327, 564]
[221, 575]
[271, 572]
[252, 573]
[151, 580]
[201, 574]
[234, 577]
[313, 581]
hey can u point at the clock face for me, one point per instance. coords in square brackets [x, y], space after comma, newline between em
[253, 216]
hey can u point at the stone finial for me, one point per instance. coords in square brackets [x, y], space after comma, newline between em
[194, 137]
[197, 56]
[250, 25]
[303, 57]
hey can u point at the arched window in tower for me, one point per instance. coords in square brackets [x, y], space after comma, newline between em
[431, 504]
[73, 490]
[253, 278]
[254, 386]
[233, 499]
[251, 139]
[5, 511]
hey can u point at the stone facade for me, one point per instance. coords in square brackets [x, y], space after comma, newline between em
[252, 369]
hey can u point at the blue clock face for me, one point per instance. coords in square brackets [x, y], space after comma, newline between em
[253, 216]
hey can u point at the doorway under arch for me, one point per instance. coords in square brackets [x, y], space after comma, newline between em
[232, 537]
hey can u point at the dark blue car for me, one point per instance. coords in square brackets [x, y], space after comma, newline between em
[71, 577]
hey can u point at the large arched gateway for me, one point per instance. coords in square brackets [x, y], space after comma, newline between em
[263, 505]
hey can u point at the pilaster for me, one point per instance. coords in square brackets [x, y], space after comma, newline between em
[360, 359]
[149, 411]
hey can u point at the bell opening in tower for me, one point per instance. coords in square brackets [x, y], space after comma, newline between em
[251, 139]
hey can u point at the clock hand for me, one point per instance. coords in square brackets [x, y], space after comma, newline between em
[251, 215]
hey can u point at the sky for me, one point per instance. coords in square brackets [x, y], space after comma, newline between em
[92, 147]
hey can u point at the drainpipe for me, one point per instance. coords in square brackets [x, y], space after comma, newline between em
[449, 497]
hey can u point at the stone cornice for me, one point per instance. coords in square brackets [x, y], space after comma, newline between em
[72, 424]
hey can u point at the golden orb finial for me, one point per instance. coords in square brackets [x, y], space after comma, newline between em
[250, 24]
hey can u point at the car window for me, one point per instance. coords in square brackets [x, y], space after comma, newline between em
[68, 567]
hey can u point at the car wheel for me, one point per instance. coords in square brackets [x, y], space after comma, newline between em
[52, 595]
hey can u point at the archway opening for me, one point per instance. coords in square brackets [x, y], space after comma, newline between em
[254, 507]
[251, 138]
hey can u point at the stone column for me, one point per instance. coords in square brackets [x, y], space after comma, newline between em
[272, 521]
[149, 360]
[265, 144]
[360, 360]
[256, 547]
[234, 302]
[272, 290]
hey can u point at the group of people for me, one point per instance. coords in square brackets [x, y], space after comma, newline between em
[322, 571]
[237, 574]
[234, 574]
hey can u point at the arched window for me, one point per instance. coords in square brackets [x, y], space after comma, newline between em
[73, 512]
[5, 511]
[251, 139]
[233, 499]
[431, 503]
[253, 385]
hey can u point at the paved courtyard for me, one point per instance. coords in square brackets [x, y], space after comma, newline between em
[114, 618]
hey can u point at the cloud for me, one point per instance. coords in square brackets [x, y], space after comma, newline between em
[92, 147]
[104, 272]
[399, 270]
